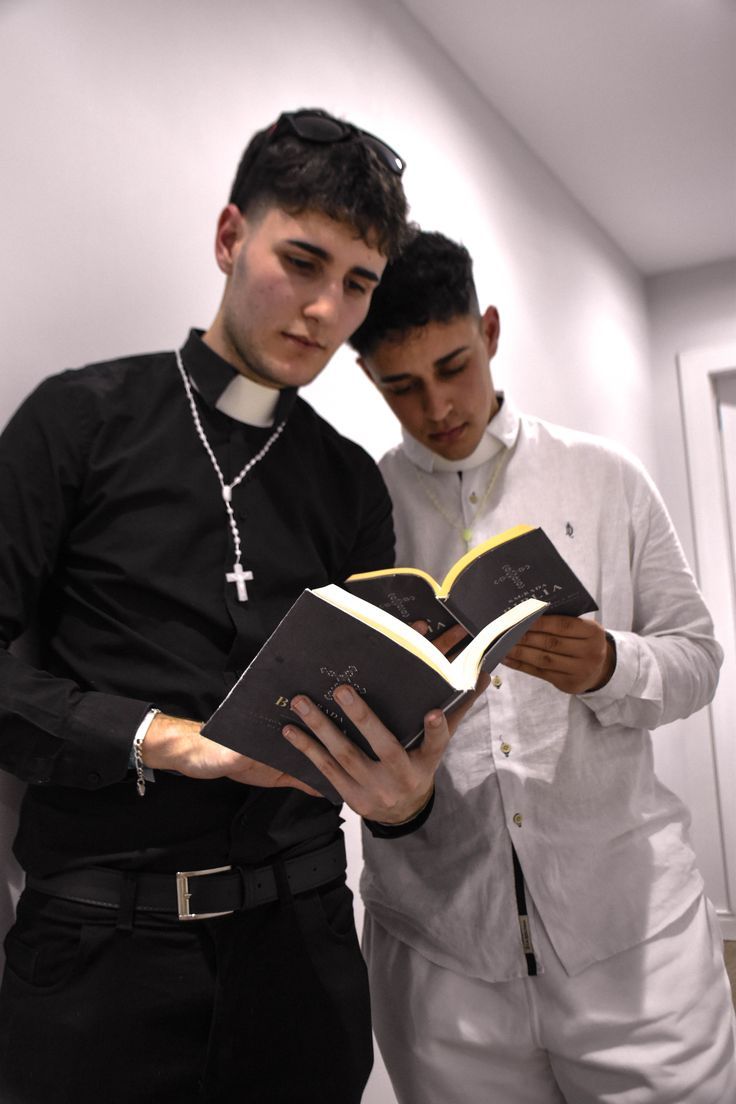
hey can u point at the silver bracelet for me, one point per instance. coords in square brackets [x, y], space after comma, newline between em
[140, 778]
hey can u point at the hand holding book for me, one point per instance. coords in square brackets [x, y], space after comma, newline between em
[330, 638]
[575, 655]
[396, 785]
[493, 577]
[334, 638]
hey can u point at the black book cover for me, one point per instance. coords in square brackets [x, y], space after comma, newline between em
[317, 647]
[482, 585]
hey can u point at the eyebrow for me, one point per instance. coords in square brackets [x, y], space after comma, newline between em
[439, 363]
[323, 255]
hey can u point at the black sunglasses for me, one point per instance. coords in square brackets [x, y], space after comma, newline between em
[311, 127]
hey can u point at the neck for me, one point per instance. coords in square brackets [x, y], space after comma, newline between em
[217, 339]
[486, 448]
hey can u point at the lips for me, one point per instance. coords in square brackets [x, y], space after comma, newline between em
[303, 342]
[448, 436]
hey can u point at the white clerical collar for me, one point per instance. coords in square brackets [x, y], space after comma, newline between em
[244, 400]
[501, 432]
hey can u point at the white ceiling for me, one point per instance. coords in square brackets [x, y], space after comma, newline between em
[631, 103]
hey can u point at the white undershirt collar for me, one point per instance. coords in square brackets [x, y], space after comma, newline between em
[501, 432]
[244, 400]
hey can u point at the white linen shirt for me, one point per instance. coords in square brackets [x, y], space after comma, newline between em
[569, 779]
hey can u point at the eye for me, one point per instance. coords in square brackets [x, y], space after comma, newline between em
[401, 388]
[356, 287]
[299, 263]
[454, 370]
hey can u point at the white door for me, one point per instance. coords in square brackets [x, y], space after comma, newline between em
[708, 390]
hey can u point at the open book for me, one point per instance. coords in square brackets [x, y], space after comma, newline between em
[330, 637]
[519, 563]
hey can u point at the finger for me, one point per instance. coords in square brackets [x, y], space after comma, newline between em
[450, 638]
[555, 678]
[383, 742]
[516, 664]
[437, 735]
[544, 642]
[321, 758]
[557, 624]
[420, 627]
[351, 758]
[544, 659]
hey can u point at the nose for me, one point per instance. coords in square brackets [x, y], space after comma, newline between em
[324, 305]
[437, 402]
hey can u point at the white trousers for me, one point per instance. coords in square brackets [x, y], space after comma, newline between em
[651, 1025]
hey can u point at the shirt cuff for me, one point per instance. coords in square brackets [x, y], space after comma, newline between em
[394, 831]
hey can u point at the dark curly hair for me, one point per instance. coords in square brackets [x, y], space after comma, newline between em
[345, 180]
[430, 281]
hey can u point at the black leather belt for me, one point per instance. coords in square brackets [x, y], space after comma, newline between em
[195, 894]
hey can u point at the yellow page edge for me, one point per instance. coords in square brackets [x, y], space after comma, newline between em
[464, 561]
[385, 623]
[470, 659]
[397, 571]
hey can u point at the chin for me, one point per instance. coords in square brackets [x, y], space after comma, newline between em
[459, 451]
[292, 375]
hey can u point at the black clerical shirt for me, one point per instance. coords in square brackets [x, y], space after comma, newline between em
[114, 542]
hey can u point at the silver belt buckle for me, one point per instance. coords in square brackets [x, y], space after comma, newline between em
[183, 896]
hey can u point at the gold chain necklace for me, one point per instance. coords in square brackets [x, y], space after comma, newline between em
[465, 531]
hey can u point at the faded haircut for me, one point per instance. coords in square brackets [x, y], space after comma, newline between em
[430, 281]
[346, 181]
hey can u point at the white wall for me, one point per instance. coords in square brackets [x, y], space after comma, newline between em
[122, 124]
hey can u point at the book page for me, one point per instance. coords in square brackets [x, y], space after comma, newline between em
[391, 627]
[462, 672]
[470, 661]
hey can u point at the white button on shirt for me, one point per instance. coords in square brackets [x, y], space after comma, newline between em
[568, 779]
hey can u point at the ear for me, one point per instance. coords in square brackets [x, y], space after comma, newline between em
[491, 327]
[360, 360]
[230, 227]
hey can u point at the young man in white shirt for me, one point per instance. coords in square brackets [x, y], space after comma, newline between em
[544, 937]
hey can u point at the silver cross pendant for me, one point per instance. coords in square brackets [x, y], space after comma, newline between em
[239, 577]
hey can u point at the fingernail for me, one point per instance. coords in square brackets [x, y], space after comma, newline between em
[344, 695]
[434, 719]
[300, 706]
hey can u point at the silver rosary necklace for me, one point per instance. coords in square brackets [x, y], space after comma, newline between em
[237, 575]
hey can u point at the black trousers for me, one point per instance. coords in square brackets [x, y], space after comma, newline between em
[268, 1006]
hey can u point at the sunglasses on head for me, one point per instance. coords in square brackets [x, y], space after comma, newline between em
[311, 127]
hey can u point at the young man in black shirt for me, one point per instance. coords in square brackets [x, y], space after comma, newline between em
[160, 515]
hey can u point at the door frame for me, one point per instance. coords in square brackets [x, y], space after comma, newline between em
[698, 371]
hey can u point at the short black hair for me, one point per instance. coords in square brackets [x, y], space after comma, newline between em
[345, 180]
[430, 281]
